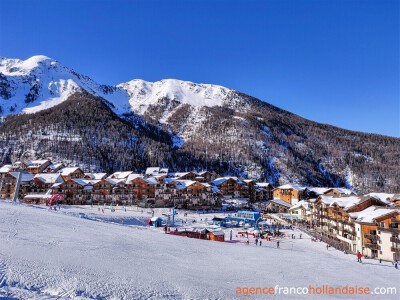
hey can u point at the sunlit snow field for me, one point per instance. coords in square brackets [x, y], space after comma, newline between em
[83, 253]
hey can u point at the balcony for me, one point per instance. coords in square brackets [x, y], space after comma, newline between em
[372, 246]
[395, 249]
[394, 239]
[391, 229]
[371, 237]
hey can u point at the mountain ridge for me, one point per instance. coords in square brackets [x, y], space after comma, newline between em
[197, 126]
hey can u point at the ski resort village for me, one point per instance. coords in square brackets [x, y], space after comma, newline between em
[261, 230]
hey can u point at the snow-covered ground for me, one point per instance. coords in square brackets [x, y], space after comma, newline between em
[83, 253]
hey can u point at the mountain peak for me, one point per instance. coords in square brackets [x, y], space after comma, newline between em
[17, 67]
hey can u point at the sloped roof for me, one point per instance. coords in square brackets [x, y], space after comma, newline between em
[221, 180]
[68, 170]
[5, 168]
[342, 191]
[301, 203]
[279, 202]
[25, 176]
[96, 175]
[372, 213]
[120, 175]
[48, 177]
[291, 186]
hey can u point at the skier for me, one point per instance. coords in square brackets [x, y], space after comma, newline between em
[256, 242]
[260, 243]
[396, 264]
[327, 247]
[300, 235]
[359, 255]
[277, 244]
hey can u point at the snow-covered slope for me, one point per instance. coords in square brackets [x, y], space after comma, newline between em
[143, 93]
[78, 253]
[41, 82]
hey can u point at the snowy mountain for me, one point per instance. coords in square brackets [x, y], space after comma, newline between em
[182, 125]
[40, 82]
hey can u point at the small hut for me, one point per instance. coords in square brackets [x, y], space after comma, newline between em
[216, 235]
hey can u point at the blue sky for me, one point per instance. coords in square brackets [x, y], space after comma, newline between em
[334, 62]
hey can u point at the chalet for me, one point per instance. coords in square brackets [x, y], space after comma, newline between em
[42, 182]
[194, 195]
[142, 188]
[367, 222]
[75, 190]
[231, 187]
[204, 176]
[263, 191]
[9, 182]
[334, 221]
[215, 235]
[37, 166]
[277, 206]
[71, 173]
[290, 193]
[54, 168]
[301, 209]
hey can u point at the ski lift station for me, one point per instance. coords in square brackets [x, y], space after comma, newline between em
[241, 218]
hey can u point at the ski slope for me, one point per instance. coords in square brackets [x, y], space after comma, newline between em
[82, 253]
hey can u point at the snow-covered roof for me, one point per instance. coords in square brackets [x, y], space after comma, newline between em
[48, 177]
[25, 176]
[5, 168]
[114, 181]
[132, 177]
[344, 202]
[318, 190]
[82, 182]
[384, 197]
[96, 175]
[54, 166]
[370, 214]
[37, 163]
[120, 175]
[341, 191]
[291, 186]
[301, 203]
[178, 174]
[202, 173]
[279, 202]
[68, 170]
[156, 171]
[221, 180]
[183, 184]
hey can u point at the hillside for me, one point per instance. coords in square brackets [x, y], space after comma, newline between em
[183, 126]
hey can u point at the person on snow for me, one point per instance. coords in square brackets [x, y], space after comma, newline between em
[327, 247]
[359, 255]
[256, 242]
[395, 263]
[260, 243]
[300, 235]
[277, 244]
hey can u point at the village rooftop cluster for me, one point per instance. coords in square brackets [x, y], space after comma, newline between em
[354, 223]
